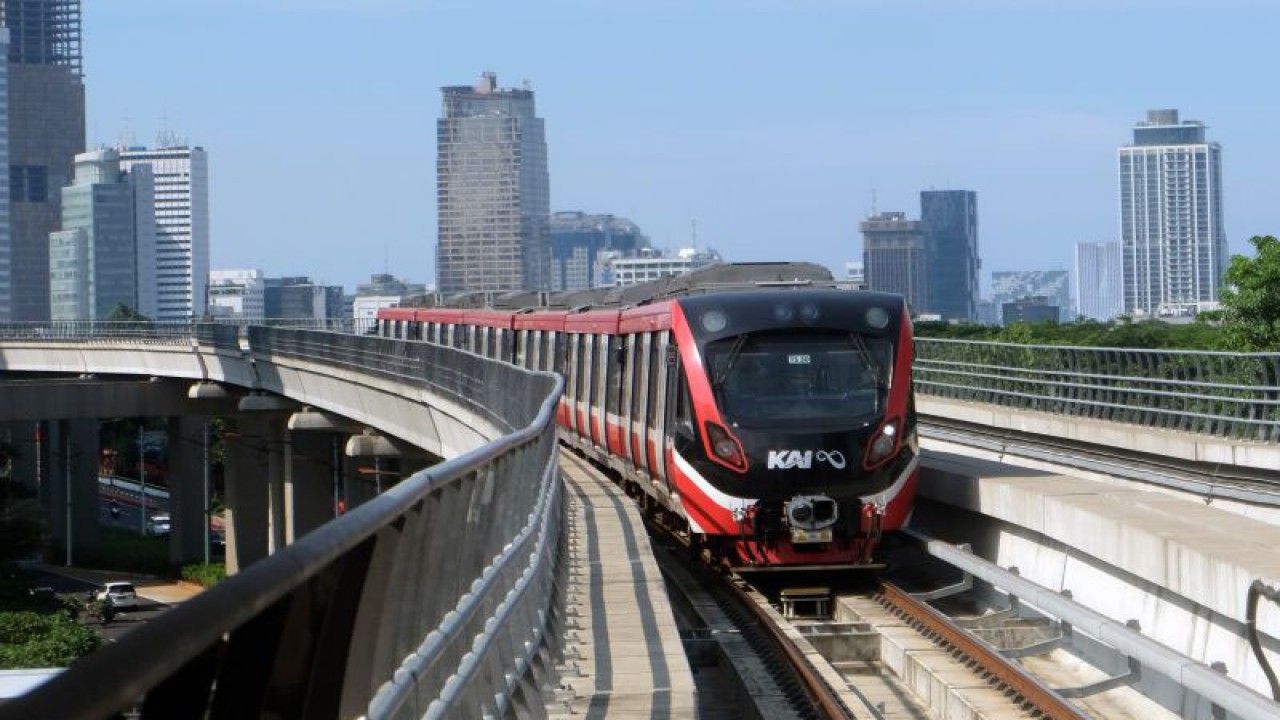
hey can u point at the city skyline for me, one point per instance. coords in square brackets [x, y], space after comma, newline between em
[643, 135]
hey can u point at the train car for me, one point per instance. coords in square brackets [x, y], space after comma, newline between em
[762, 411]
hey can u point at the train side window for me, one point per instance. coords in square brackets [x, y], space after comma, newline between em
[581, 366]
[684, 425]
[638, 376]
[615, 361]
[654, 393]
[588, 362]
[572, 379]
[626, 373]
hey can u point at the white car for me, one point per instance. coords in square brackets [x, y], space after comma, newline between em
[158, 524]
[118, 594]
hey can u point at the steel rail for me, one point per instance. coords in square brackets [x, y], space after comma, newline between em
[820, 694]
[1228, 694]
[1001, 668]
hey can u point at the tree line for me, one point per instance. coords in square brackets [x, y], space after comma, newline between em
[1248, 321]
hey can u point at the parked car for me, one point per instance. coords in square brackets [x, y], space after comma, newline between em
[118, 594]
[158, 524]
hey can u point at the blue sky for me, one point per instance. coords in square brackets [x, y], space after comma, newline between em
[769, 122]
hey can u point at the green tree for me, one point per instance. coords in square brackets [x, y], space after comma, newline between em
[1250, 313]
[124, 313]
[37, 640]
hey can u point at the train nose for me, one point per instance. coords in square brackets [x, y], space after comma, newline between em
[811, 518]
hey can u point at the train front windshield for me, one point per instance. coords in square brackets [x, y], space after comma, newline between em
[826, 378]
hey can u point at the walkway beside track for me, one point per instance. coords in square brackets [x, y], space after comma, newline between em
[1179, 566]
[623, 654]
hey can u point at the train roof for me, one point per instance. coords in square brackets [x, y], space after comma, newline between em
[721, 277]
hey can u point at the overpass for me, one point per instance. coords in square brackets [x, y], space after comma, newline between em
[428, 621]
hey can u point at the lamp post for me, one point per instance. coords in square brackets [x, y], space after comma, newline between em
[142, 481]
[207, 518]
[67, 464]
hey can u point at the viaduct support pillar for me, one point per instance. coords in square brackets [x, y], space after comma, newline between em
[278, 452]
[308, 485]
[187, 490]
[245, 477]
[21, 436]
[72, 486]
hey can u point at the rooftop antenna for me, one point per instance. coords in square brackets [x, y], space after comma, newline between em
[126, 133]
[873, 202]
[166, 137]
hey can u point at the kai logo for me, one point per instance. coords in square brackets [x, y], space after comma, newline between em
[803, 459]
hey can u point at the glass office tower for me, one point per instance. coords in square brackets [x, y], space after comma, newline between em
[46, 131]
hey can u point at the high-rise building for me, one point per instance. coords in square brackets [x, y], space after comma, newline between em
[6, 220]
[855, 275]
[383, 290]
[239, 294]
[1029, 309]
[98, 260]
[493, 191]
[1053, 285]
[1098, 280]
[949, 219]
[893, 258]
[182, 226]
[1172, 236]
[46, 132]
[298, 298]
[651, 264]
[577, 239]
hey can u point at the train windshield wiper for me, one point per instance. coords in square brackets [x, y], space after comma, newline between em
[860, 344]
[734, 352]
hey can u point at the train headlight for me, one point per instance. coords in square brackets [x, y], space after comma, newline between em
[714, 321]
[882, 445]
[877, 318]
[725, 448]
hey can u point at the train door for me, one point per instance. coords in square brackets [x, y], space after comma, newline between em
[639, 402]
[629, 343]
[586, 364]
[601, 389]
[663, 360]
[613, 396]
[656, 395]
[572, 379]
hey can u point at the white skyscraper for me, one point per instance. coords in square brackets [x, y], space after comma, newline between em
[239, 294]
[182, 227]
[1098, 272]
[1173, 240]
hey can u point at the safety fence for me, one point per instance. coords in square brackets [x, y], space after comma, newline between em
[1223, 394]
[438, 598]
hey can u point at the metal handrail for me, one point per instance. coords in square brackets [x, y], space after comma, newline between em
[1232, 696]
[1234, 395]
[191, 660]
